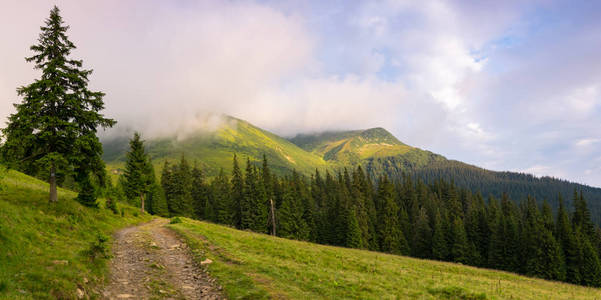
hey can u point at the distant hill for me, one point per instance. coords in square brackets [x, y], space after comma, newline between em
[375, 149]
[214, 150]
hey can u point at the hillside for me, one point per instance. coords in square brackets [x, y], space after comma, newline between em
[257, 266]
[44, 247]
[377, 150]
[214, 150]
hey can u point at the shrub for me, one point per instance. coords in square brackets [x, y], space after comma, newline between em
[112, 205]
[175, 220]
[99, 248]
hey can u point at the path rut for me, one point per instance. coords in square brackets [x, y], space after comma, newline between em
[152, 262]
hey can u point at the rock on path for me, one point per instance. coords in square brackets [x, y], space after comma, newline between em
[151, 262]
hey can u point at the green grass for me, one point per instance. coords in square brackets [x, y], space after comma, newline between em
[43, 247]
[215, 150]
[255, 266]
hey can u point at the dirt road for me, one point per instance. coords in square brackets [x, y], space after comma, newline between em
[151, 262]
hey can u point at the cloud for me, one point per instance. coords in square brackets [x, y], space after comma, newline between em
[508, 85]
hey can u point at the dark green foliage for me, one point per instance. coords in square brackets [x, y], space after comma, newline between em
[437, 221]
[460, 249]
[390, 235]
[52, 134]
[176, 181]
[139, 173]
[111, 203]
[87, 192]
[221, 197]
[99, 248]
[157, 203]
[175, 220]
[237, 194]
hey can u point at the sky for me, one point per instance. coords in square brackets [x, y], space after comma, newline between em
[505, 85]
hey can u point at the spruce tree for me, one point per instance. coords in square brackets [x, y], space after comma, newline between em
[182, 201]
[353, 232]
[237, 196]
[590, 266]
[54, 128]
[139, 174]
[422, 240]
[224, 210]
[157, 202]
[439, 244]
[460, 248]
[390, 233]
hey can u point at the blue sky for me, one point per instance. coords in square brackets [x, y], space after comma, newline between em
[506, 85]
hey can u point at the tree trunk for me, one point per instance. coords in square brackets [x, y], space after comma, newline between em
[52, 181]
[272, 217]
[142, 201]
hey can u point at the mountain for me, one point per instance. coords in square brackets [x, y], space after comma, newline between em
[379, 153]
[375, 149]
[214, 150]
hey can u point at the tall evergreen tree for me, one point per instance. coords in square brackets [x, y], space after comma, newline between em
[390, 233]
[460, 248]
[157, 202]
[224, 209]
[139, 174]
[237, 195]
[54, 128]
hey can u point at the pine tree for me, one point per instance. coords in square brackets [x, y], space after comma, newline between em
[224, 209]
[590, 266]
[422, 240]
[202, 206]
[54, 128]
[87, 192]
[168, 185]
[391, 236]
[439, 244]
[460, 248]
[353, 231]
[237, 195]
[139, 174]
[157, 202]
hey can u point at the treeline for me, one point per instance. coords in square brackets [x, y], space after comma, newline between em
[431, 167]
[436, 221]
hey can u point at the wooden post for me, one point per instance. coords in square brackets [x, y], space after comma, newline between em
[52, 181]
[272, 217]
[142, 200]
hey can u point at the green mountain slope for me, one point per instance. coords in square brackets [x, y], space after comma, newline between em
[214, 150]
[43, 246]
[257, 266]
[375, 148]
[378, 151]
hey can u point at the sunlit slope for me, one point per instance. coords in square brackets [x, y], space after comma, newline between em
[214, 150]
[376, 149]
[42, 245]
[257, 266]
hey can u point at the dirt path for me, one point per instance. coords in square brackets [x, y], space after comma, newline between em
[151, 262]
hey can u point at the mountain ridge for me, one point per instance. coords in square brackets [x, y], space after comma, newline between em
[375, 149]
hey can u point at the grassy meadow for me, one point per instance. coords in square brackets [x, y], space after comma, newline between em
[257, 266]
[45, 248]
